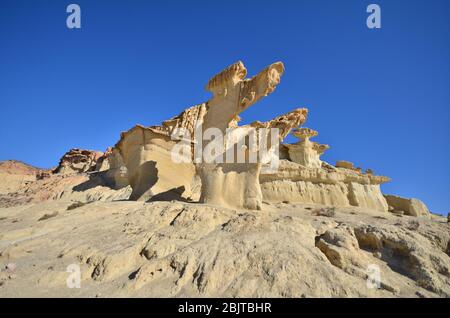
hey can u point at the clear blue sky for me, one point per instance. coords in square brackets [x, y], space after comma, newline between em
[380, 98]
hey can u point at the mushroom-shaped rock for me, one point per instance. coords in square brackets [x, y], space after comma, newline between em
[304, 133]
[305, 152]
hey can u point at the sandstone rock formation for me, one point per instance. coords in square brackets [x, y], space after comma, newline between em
[412, 207]
[17, 168]
[302, 176]
[78, 187]
[237, 184]
[167, 161]
[147, 150]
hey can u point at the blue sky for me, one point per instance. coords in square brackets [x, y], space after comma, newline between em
[379, 98]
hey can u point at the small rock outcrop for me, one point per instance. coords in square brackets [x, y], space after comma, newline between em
[413, 207]
[345, 164]
[78, 160]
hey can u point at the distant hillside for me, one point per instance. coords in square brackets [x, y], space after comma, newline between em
[17, 167]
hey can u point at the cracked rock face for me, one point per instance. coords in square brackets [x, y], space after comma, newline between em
[175, 249]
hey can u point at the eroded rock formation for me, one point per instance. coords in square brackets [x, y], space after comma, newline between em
[147, 150]
[145, 156]
[237, 184]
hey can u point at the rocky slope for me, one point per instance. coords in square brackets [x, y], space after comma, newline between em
[176, 249]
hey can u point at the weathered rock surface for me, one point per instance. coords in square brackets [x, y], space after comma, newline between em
[114, 170]
[152, 173]
[174, 249]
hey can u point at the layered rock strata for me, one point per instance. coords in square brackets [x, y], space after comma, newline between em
[325, 185]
